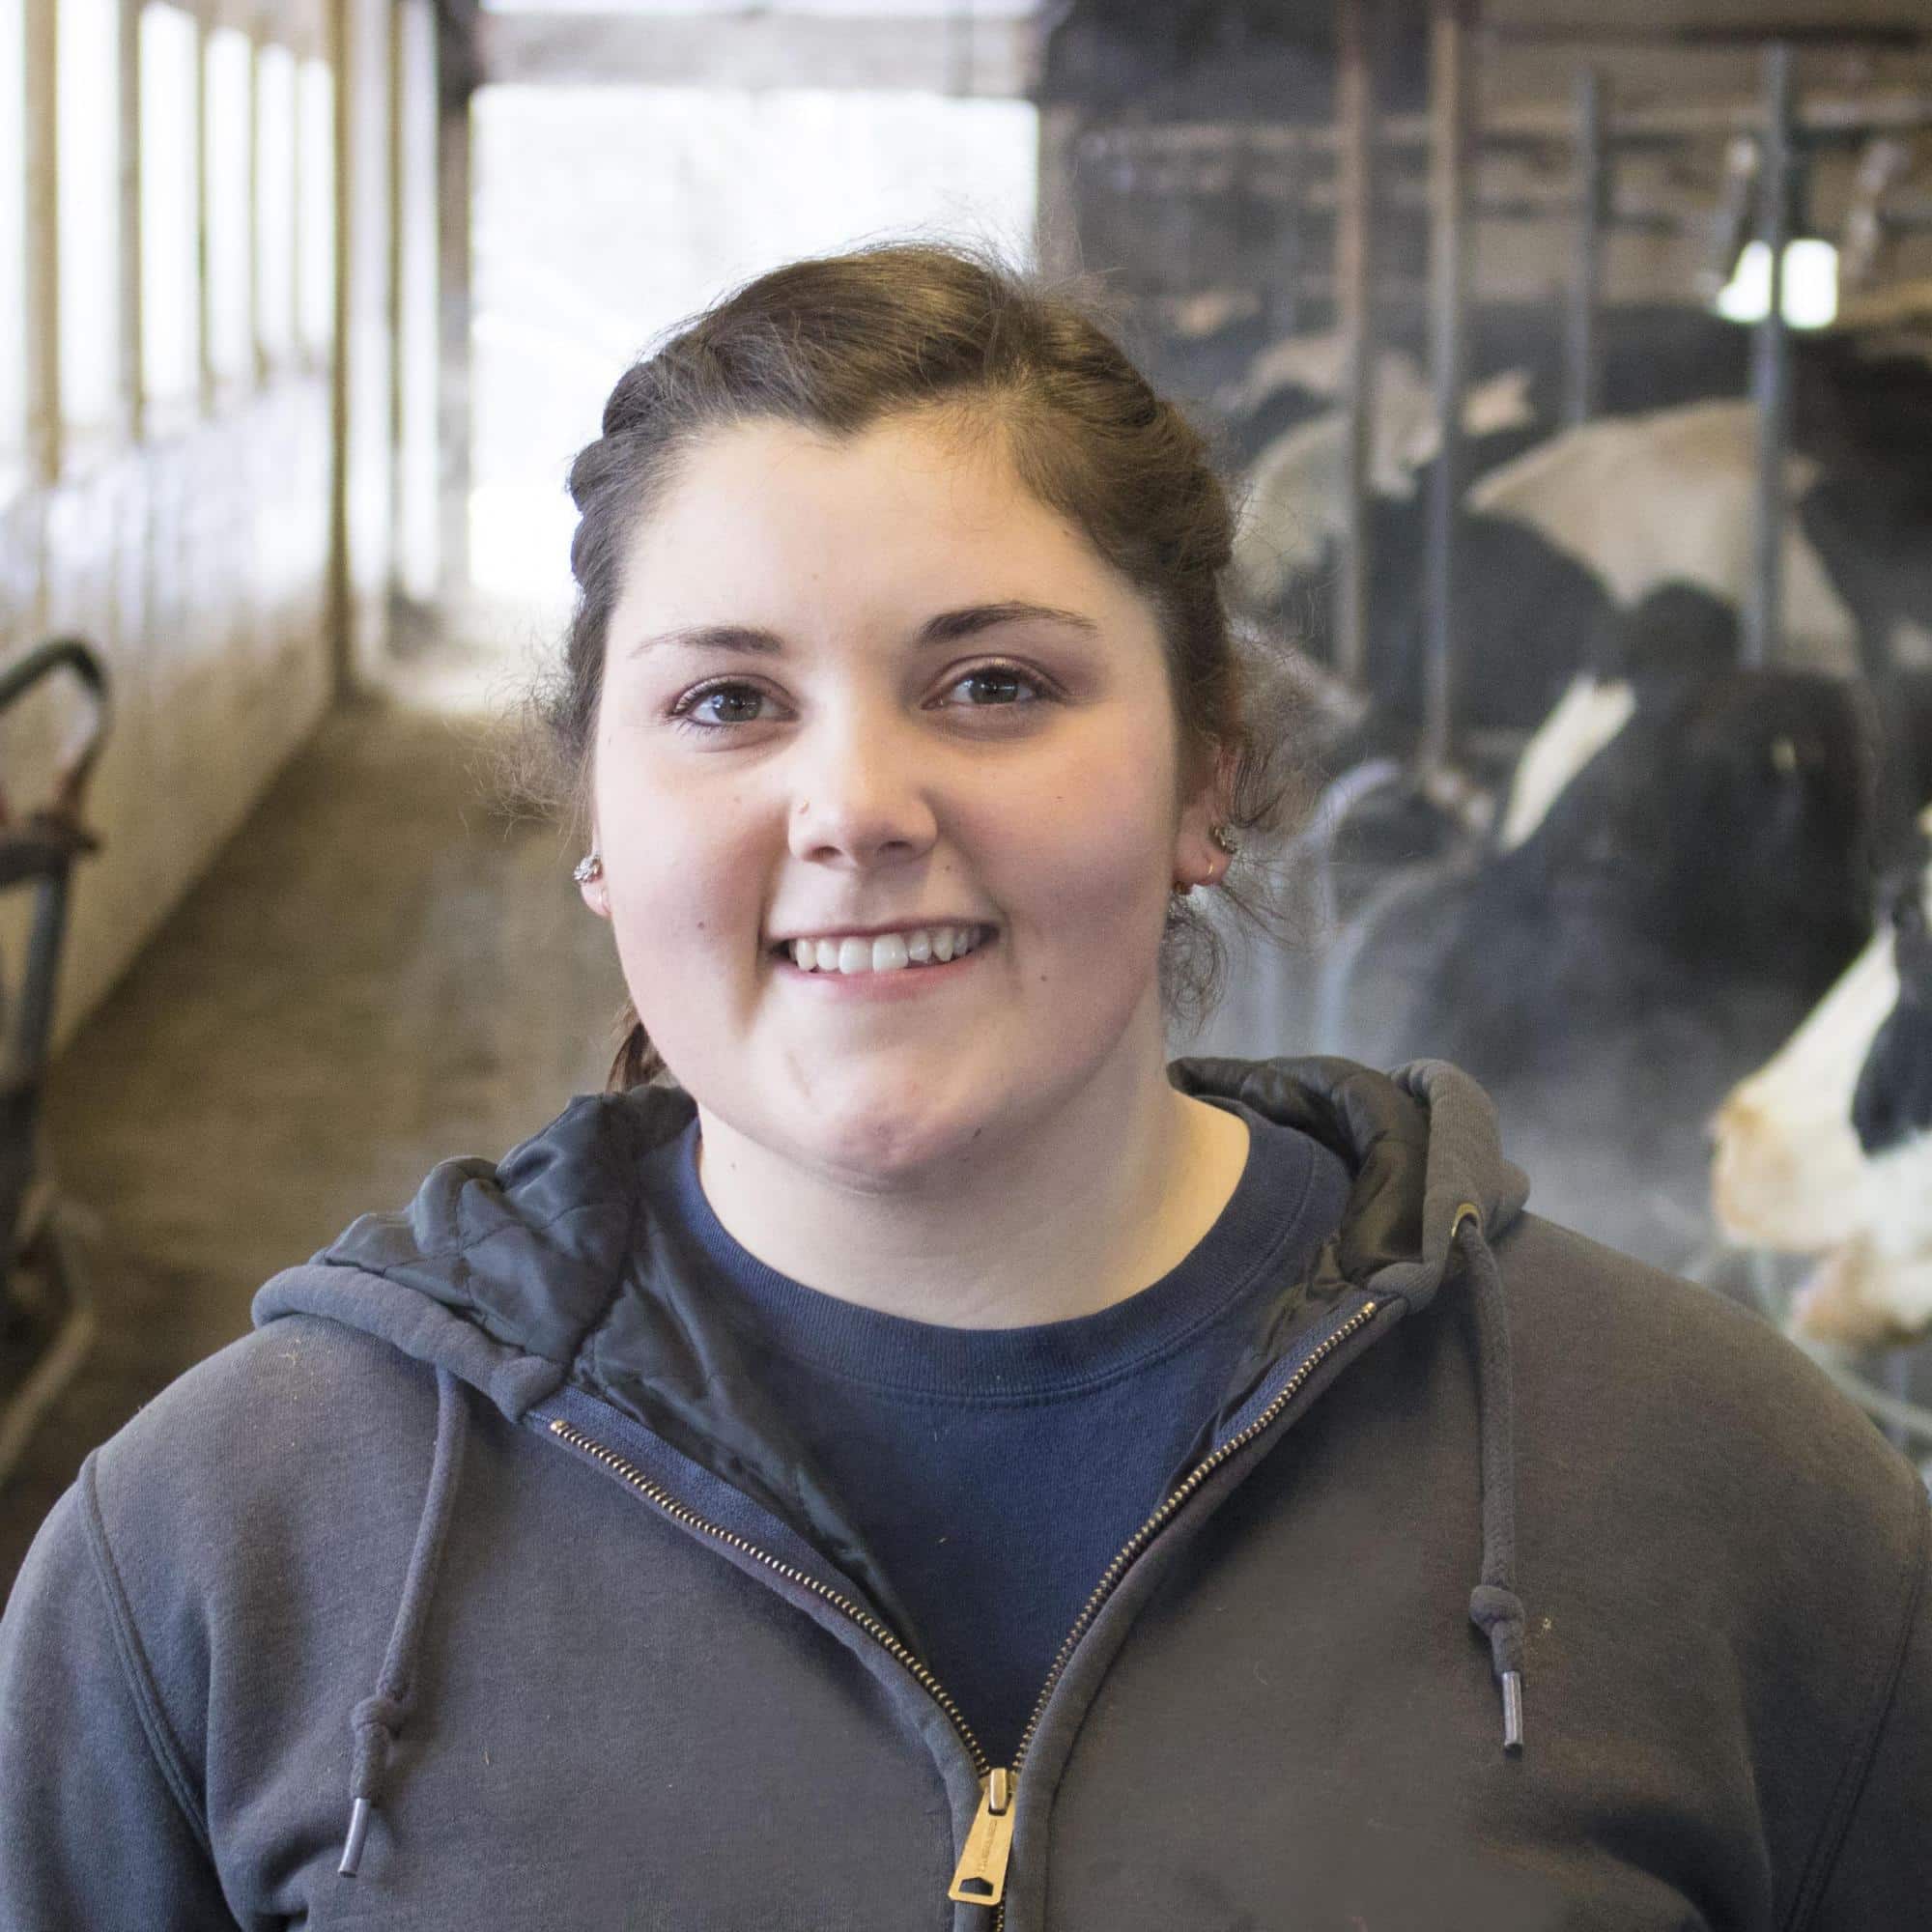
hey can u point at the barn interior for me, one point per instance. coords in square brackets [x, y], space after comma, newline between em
[1570, 365]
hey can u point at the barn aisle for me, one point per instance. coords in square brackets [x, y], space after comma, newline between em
[380, 970]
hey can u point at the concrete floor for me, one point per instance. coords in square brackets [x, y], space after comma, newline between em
[379, 971]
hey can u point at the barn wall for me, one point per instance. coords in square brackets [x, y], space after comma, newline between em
[192, 538]
[194, 566]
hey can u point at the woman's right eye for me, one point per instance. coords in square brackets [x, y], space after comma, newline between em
[682, 713]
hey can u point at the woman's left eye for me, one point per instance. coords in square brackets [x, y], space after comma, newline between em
[683, 713]
[1002, 673]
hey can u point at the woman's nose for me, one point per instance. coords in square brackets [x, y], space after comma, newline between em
[863, 796]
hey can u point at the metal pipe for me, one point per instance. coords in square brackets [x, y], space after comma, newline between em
[1451, 153]
[1771, 369]
[1845, 119]
[1356, 318]
[1583, 384]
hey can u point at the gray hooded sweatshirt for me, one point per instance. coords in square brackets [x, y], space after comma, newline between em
[1517, 1586]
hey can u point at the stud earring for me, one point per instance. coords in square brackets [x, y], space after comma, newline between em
[589, 867]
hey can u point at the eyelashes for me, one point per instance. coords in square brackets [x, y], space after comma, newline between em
[683, 714]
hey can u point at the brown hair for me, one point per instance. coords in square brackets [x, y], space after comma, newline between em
[837, 344]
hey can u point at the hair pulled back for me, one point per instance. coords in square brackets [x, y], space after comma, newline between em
[837, 344]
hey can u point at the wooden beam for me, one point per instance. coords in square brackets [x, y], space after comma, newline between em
[761, 51]
[1847, 118]
[42, 133]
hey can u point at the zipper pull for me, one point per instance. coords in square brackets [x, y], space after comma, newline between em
[983, 1864]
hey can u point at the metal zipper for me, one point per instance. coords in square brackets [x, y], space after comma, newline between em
[982, 1864]
[860, 1615]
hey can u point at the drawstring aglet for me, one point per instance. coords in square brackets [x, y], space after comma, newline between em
[1512, 1710]
[359, 1829]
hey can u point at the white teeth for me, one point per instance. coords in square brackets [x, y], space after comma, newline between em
[885, 954]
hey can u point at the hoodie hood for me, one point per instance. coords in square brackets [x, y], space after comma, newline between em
[516, 1277]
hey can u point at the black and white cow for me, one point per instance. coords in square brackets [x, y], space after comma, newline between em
[1667, 920]
[1653, 356]
[1558, 534]
[1707, 860]
[1670, 497]
[1826, 1148]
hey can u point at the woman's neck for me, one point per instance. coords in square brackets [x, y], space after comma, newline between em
[1045, 1233]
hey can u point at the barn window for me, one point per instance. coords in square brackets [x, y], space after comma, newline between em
[315, 218]
[603, 213]
[416, 347]
[88, 212]
[275, 201]
[170, 293]
[231, 322]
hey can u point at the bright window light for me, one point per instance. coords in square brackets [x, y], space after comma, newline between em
[275, 201]
[315, 201]
[87, 164]
[605, 214]
[231, 322]
[1811, 285]
[170, 289]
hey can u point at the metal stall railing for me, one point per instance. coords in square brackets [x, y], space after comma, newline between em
[46, 1312]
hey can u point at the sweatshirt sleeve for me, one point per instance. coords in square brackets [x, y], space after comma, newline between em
[100, 1823]
[1882, 1873]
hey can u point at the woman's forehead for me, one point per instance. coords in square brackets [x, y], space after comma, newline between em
[764, 458]
[907, 509]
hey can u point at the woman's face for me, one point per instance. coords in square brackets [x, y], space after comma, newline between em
[872, 684]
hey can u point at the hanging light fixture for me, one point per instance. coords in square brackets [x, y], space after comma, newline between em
[1739, 288]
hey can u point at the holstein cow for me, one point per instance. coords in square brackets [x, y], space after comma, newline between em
[1653, 356]
[1863, 410]
[1827, 1149]
[1676, 636]
[1557, 535]
[1293, 495]
[1551, 542]
[1641, 500]
[1655, 928]
[1703, 865]
[1669, 496]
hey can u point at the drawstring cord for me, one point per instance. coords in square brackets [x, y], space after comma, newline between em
[377, 1718]
[1494, 1607]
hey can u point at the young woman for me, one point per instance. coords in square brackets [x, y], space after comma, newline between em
[906, 1454]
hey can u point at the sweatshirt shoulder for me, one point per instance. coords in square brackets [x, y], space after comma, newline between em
[1676, 1392]
[303, 1407]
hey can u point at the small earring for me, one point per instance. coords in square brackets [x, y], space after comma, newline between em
[589, 867]
[1224, 837]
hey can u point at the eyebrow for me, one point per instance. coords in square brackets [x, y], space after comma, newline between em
[946, 628]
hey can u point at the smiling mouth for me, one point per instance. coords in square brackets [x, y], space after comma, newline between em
[983, 937]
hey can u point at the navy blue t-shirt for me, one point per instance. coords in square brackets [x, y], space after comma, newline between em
[996, 1472]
